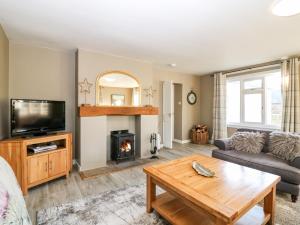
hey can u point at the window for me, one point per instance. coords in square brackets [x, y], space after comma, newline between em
[255, 100]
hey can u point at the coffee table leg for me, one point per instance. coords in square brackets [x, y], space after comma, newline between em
[151, 193]
[221, 222]
[269, 205]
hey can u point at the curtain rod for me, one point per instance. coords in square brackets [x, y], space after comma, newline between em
[244, 69]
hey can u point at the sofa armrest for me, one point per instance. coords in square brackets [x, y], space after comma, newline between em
[296, 162]
[223, 144]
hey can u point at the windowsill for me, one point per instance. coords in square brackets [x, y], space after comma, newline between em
[254, 126]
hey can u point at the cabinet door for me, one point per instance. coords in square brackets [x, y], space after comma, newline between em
[37, 168]
[11, 152]
[57, 163]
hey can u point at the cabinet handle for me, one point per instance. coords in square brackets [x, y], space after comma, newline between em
[50, 165]
[46, 167]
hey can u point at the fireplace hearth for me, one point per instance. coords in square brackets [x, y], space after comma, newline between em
[122, 145]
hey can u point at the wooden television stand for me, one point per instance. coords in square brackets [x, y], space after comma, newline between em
[32, 169]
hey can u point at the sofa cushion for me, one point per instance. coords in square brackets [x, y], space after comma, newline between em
[282, 145]
[223, 144]
[296, 152]
[264, 162]
[295, 162]
[252, 142]
[267, 136]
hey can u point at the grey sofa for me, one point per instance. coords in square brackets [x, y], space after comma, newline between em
[264, 161]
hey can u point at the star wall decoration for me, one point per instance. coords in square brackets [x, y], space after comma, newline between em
[149, 92]
[85, 87]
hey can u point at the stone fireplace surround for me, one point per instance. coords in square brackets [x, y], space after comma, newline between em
[95, 128]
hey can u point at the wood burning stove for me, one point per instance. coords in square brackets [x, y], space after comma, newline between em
[122, 145]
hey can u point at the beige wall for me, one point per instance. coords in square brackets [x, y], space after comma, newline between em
[108, 91]
[4, 99]
[91, 64]
[206, 99]
[190, 113]
[231, 131]
[42, 73]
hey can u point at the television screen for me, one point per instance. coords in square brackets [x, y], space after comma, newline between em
[29, 117]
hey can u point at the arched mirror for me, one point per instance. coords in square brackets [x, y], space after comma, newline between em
[117, 89]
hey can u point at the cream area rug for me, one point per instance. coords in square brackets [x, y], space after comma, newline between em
[127, 206]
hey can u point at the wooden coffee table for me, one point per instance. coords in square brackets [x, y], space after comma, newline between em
[230, 197]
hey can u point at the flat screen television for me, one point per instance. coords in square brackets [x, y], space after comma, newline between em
[36, 117]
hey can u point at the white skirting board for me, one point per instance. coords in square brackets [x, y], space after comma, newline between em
[182, 141]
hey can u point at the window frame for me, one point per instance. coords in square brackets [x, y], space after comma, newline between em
[249, 77]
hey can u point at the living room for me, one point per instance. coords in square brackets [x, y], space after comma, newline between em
[134, 112]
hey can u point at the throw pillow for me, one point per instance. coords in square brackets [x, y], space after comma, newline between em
[252, 142]
[296, 152]
[284, 145]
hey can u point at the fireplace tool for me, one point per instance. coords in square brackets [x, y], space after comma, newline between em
[154, 149]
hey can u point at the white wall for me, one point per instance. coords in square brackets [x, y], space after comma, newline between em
[43, 73]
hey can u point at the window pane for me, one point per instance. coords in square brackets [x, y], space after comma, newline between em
[251, 84]
[273, 99]
[253, 108]
[233, 102]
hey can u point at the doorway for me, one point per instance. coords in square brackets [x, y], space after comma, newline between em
[168, 113]
[177, 118]
[172, 113]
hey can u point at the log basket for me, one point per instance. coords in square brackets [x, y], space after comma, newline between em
[199, 134]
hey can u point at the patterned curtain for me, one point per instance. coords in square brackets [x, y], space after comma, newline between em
[219, 107]
[291, 95]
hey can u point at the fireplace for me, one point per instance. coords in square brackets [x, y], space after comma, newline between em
[122, 145]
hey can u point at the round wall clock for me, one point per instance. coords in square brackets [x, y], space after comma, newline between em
[191, 98]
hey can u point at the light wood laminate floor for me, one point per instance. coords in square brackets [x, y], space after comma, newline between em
[67, 190]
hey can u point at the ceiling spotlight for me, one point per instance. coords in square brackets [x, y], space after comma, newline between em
[286, 7]
[172, 65]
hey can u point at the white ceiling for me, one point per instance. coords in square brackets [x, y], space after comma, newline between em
[199, 36]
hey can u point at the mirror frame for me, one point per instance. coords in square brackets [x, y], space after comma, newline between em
[98, 89]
